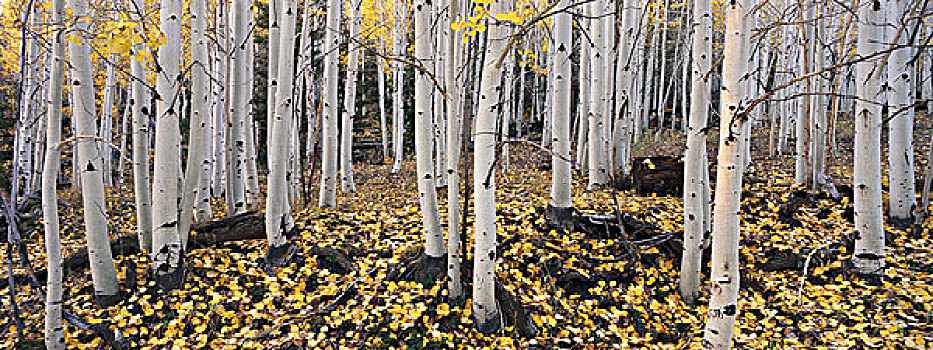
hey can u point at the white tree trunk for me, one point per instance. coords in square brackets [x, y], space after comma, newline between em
[278, 218]
[724, 276]
[198, 120]
[560, 110]
[597, 94]
[868, 257]
[141, 106]
[349, 98]
[430, 215]
[250, 133]
[328, 195]
[220, 92]
[696, 190]
[167, 248]
[54, 330]
[901, 126]
[440, 117]
[485, 310]
[398, 115]
[383, 130]
[802, 169]
[454, 124]
[625, 93]
[89, 153]
[238, 107]
[106, 122]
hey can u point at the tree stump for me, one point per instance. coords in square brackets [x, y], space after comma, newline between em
[663, 176]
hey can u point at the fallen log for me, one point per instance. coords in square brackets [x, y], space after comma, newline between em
[241, 227]
[663, 176]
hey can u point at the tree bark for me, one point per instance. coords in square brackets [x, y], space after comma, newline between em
[349, 98]
[198, 119]
[278, 219]
[54, 330]
[430, 215]
[103, 271]
[561, 205]
[724, 277]
[167, 248]
[868, 257]
[900, 106]
[485, 309]
[328, 195]
[696, 190]
[454, 126]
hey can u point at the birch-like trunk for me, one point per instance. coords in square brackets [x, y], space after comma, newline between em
[561, 206]
[328, 195]
[381, 80]
[54, 330]
[89, 152]
[250, 132]
[596, 162]
[167, 247]
[869, 255]
[485, 309]
[141, 106]
[220, 84]
[198, 120]
[696, 190]
[278, 218]
[802, 168]
[349, 98]
[454, 125]
[430, 214]
[106, 122]
[238, 107]
[900, 106]
[724, 276]
[398, 114]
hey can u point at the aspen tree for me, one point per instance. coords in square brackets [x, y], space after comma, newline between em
[106, 122]
[220, 84]
[439, 116]
[485, 310]
[398, 116]
[381, 80]
[89, 151]
[869, 255]
[349, 97]
[328, 195]
[54, 330]
[198, 119]
[454, 124]
[239, 107]
[167, 248]
[140, 106]
[560, 208]
[802, 168]
[900, 128]
[696, 189]
[430, 215]
[596, 94]
[724, 276]
[278, 219]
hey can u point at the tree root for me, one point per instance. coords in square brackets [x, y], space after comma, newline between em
[513, 313]
[418, 267]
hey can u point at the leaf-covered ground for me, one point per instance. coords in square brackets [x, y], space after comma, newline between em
[578, 290]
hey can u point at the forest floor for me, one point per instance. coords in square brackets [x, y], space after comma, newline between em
[578, 289]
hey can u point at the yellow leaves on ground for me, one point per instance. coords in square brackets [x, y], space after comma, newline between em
[578, 293]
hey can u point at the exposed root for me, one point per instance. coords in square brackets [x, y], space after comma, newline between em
[510, 313]
[419, 267]
[560, 217]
